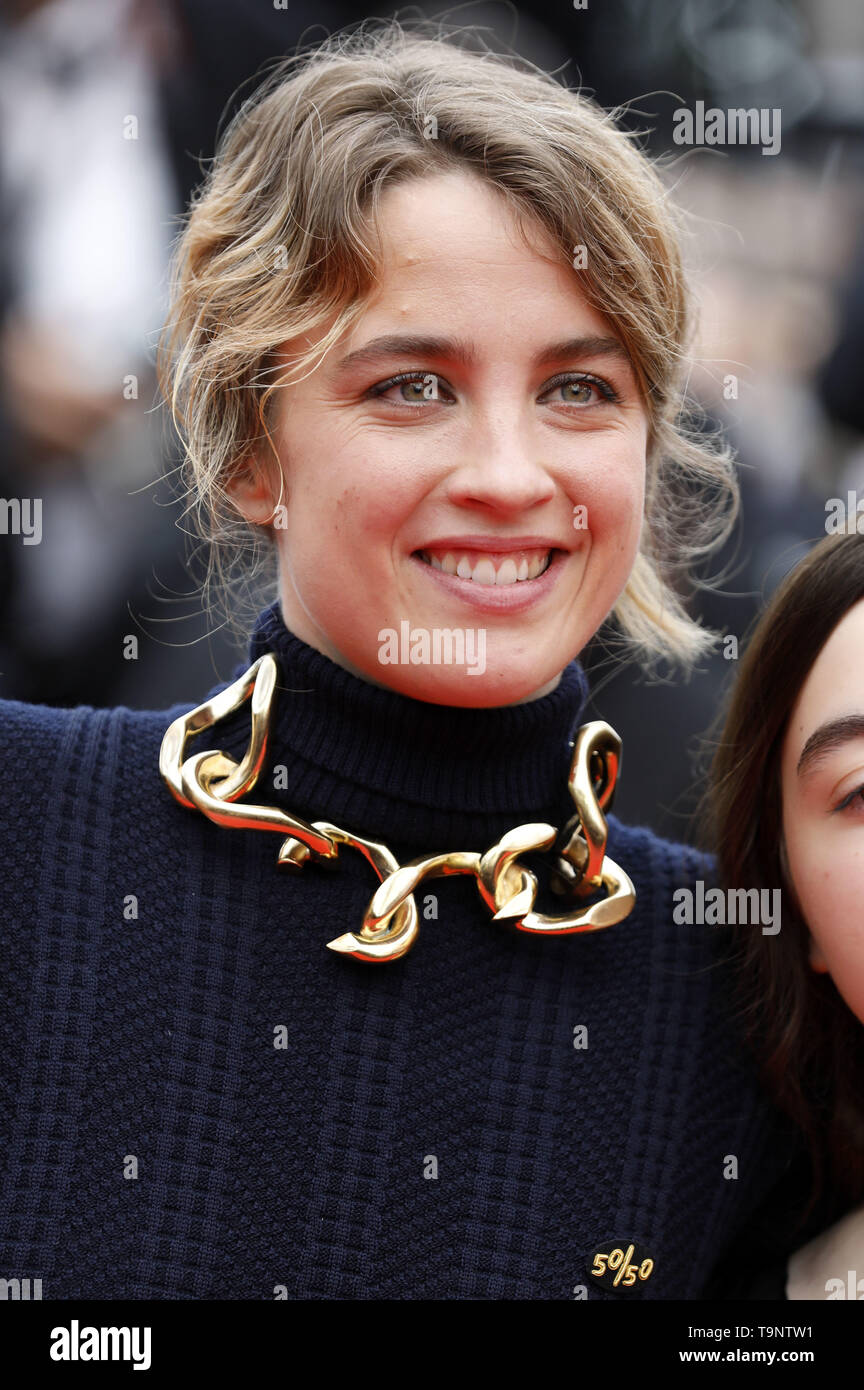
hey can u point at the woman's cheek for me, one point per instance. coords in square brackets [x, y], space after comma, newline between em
[839, 935]
[615, 516]
[829, 883]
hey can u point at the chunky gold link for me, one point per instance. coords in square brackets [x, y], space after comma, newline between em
[593, 776]
[212, 782]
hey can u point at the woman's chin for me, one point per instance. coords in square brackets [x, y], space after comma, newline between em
[470, 687]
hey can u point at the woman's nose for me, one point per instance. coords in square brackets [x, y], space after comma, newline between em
[501, 469]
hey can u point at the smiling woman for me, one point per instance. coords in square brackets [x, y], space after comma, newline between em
[412, 306]
[461, 458]
[426, 355]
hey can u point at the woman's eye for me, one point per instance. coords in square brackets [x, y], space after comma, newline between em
[579, 391]
[412, 388]
[854, 801]
[422, 388]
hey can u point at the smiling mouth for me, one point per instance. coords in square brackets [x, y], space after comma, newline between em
[492, 568]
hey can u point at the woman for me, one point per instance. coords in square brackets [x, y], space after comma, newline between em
[787, 804]
[428, 340]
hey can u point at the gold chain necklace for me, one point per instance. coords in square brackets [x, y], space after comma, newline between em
[212, 782]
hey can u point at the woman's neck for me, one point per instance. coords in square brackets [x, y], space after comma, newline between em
[386, 764]
[832, 1265]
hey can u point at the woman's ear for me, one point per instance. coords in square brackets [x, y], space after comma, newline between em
[251, 490]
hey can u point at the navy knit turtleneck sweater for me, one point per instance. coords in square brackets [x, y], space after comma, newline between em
[156, 1143]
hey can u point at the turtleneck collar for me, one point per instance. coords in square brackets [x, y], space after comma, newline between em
[386, 765]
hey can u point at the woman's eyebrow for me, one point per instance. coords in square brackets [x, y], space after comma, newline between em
[400, 344]
[829, 736]
[582, 347]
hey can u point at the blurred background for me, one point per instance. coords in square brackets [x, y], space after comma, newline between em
[109, 110]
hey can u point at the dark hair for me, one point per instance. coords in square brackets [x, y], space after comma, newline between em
[809, 1044]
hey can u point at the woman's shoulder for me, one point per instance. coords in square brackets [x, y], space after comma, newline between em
[33, 735]
[647, 855]
[676, 892]
[68, 762]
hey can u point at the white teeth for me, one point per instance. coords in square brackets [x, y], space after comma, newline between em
[481, 569]
[484, 572]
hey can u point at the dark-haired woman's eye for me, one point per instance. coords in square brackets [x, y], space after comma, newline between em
[851, 799]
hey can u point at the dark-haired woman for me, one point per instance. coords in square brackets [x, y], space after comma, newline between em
[788, 814]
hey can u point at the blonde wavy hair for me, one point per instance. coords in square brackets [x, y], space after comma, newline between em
[280, 240]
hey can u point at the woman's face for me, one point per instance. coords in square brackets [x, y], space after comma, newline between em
[464, 473]
[822, 773]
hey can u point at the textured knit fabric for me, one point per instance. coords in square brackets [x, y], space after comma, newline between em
[147, 1043]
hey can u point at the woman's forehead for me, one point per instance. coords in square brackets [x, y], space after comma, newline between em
[452, 252]
[834, 687]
